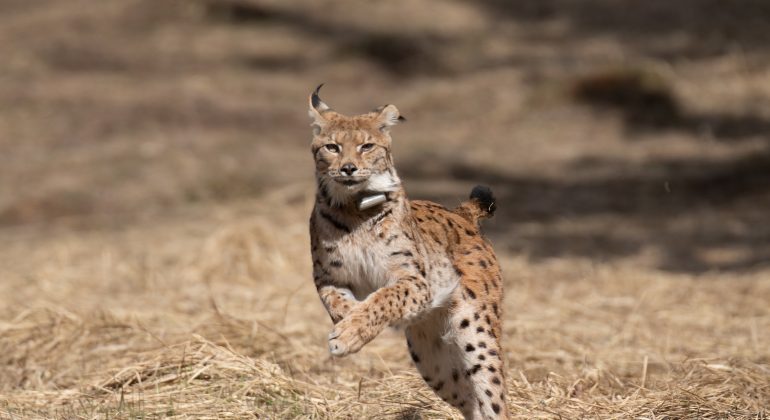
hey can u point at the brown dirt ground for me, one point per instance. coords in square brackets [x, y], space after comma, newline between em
[155, 184]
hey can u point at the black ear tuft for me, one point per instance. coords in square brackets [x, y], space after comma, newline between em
[314, 98]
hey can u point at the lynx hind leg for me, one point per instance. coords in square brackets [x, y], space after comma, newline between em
[460, 360]
[440, 362]
[476, 328]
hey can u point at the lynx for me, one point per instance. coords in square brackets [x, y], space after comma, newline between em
[380, 259]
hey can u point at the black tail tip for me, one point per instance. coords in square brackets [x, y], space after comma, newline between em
[486, 199]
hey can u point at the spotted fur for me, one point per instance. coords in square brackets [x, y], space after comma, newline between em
[403, 263]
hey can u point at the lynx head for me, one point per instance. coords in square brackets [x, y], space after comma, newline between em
[352, 154]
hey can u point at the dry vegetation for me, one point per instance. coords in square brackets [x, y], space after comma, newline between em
[155, 184]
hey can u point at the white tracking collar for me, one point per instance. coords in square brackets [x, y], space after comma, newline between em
[371, 201]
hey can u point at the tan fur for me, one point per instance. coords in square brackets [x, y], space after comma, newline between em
[410, 264]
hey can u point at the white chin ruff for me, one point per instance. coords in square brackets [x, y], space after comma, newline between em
[383, 182]
[341, 194]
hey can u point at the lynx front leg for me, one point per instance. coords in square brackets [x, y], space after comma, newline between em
[398, 303]
[337, 300]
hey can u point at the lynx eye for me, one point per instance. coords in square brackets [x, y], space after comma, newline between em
[332, 148]
[367, 147]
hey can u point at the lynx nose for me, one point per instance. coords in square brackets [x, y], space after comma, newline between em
[348, 169]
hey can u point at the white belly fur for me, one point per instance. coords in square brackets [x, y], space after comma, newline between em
[364, 268]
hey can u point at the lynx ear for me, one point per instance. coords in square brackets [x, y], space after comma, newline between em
[317, 109]
[388, 116]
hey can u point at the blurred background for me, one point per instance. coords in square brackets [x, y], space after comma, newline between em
[158, 151]
[609, 129]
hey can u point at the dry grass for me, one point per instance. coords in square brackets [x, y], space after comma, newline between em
[223, 325]
[155, 185]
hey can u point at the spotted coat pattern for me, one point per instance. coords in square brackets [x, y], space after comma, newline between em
[403, 263]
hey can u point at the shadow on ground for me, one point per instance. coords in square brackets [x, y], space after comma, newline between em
[396, 53]
[697, 215]
[687, 29]
[684, 30]
[646, 102]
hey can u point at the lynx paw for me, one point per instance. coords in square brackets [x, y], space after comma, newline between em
[346, 338]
